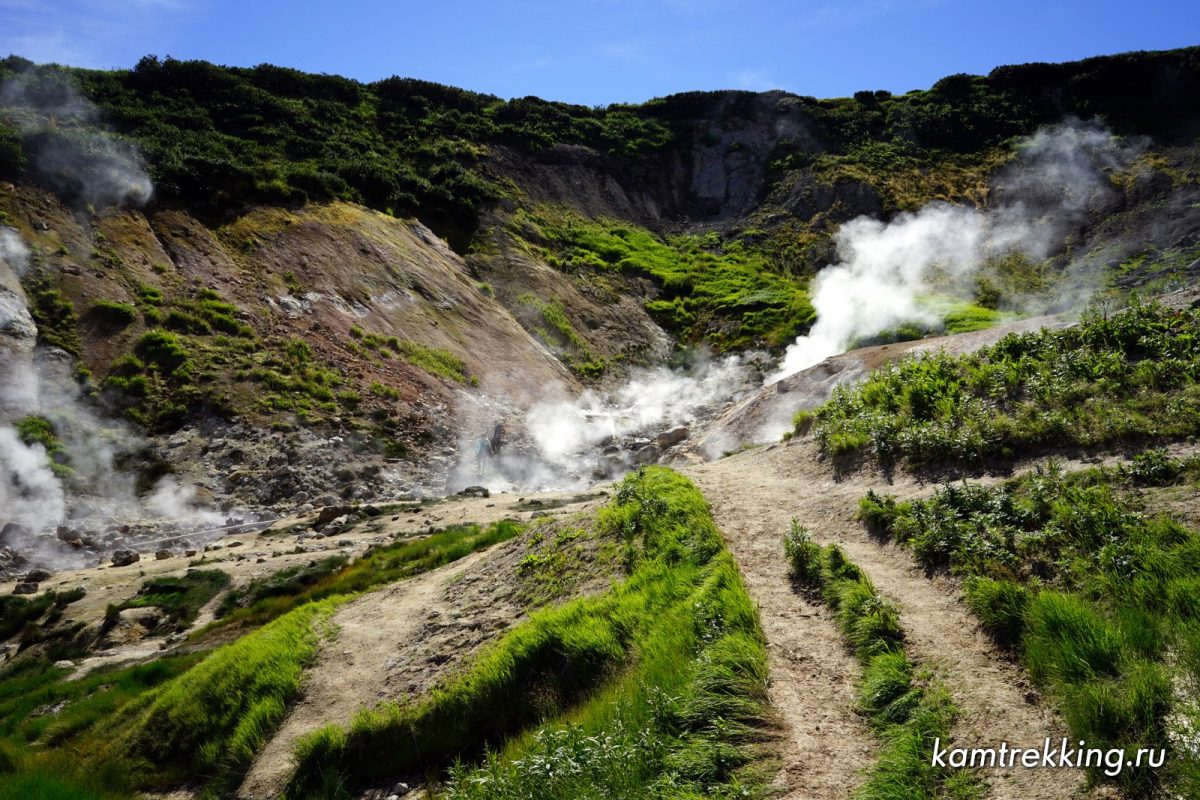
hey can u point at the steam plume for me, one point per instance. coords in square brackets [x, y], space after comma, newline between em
[884, 269]
[71, 154]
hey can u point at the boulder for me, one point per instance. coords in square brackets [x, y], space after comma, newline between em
[672, 437]
[163, 555]
[646, 455]
[13, 535]
[25, 588]
[329, 514]
[38, 575]
[475, 491]
[123, 558]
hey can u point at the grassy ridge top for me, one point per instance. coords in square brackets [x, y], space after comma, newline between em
[216, 137]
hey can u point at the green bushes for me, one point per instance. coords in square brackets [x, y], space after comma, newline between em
[1124, 378]
[39, 430]
[730, 298]
[16, 612]
[165, 351]
[112, 312]
[803, 555]
[1095, 595]
[57, 322]
[663, 678]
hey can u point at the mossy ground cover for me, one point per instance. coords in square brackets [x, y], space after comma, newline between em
[180, 598]
[655, 688]
[722, 293]
[1110, 380]
[1094, 591]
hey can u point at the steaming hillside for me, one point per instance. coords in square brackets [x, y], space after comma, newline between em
[313, 393]
[387, 271]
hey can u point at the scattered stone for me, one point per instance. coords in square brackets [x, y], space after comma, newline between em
[163, 555]
[123, 558]
[235, 544]
[345, 543]
[475, 491]
[64, 664]
[25, 588]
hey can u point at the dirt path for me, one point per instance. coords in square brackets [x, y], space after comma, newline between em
[754, 496]
[390, 645]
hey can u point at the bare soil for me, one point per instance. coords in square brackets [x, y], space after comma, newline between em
[754, 496]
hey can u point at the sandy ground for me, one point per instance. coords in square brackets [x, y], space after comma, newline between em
[754, 496]
[248, 557]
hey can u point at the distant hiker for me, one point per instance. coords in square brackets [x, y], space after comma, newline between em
[497, 438]
[482, 448]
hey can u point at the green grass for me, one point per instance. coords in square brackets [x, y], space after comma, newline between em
[54, 314]
[16, 612]
[39, 430]
[196, 719]
[658, 682]
[1127, 378]
[180, 598]
[55, 734]
[113, 312]
[210, 721]
[723, 294]
[1093, 592]
[434, 360]
[906, 711]
[555, 330]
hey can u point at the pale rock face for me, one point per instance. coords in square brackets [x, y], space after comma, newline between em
[18, 335]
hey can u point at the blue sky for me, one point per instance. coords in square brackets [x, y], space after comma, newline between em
[602, 51]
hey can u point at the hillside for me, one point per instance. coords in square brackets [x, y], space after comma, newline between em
[368, 440]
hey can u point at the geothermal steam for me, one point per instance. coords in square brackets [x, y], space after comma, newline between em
[652, 401]
[886, 269]
[71, 153]
[40, 384]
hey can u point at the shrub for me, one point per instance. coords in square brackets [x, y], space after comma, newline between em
[184, 322]
[803, 555]
[114, 313]
[164, 350]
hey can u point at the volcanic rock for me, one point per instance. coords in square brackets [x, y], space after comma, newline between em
[12, 535]
[123, 558]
